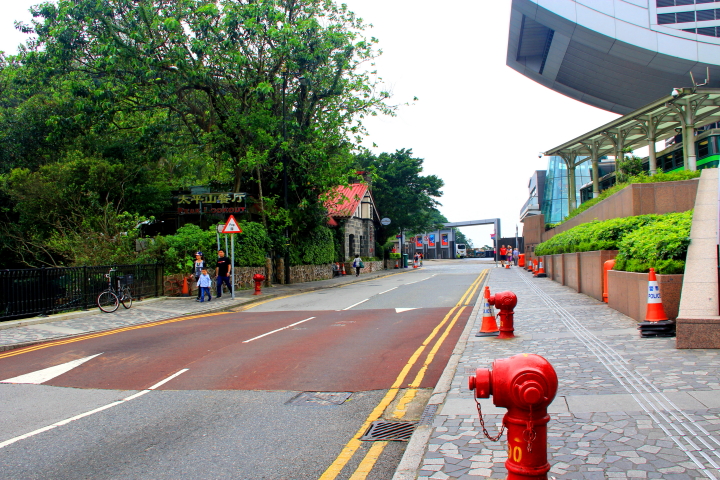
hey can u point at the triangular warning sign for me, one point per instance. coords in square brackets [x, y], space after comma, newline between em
[231, 226]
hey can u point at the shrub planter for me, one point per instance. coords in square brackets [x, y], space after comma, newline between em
[628, 293]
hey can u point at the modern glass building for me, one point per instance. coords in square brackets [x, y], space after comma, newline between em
[555, 199]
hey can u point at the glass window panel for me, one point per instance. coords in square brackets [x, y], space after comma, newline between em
[665, 3]
[665, 18]
[685, 17]
[703, 15]
[684, 2]
[703, 148]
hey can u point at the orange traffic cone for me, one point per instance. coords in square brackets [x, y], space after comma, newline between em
[343, 270]
[534, 266]
[185, 288]
[656, 322]
[541, 270]
[396, 264]
[489, 327]
[655, 311]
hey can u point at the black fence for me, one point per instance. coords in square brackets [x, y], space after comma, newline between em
[43, 291]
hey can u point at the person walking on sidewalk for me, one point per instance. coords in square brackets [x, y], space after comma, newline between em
[358, 264]
[198, 265]
[503, 254]
[516, 256]
[204, 283]
[223, 270]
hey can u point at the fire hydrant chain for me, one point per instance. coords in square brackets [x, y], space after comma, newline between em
[529, 434]
[482, 424]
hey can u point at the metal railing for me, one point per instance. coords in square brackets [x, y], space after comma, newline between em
[43, 291]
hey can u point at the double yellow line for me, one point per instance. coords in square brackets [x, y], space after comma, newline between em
[12, 353]
[374, 452]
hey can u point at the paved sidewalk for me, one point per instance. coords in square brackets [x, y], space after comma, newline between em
[627, 407]
[18, 333]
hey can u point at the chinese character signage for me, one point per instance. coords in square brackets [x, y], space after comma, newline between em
[210, 203]
[444, 239]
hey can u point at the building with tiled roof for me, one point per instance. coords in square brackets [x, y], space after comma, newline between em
[353, 209]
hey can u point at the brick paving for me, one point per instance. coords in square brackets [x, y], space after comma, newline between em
[626, 407]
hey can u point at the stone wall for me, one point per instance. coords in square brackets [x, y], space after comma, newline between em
[582, 271]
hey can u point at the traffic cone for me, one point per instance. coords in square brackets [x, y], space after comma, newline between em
[656, 322]
[343, 270]
[534, 266]
[397, 263]
[185, 288]
[489, 327]
[541, 270]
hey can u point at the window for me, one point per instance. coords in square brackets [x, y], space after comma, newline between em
[685, 17]
[684, 2]
[703, 148]
[708, 31]
[666, 18]
[678, 157]
[704, 1]
[704, 15]
[667, 163]
[665, 3]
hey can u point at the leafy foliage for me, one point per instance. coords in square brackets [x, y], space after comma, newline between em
[316, 248]
[401, 193]
[644, 241]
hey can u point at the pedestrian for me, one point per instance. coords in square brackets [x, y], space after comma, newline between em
[510, 255]
[198, 266]
[421, 259]
[503, 254]
[516, 256]
[358, 264]
[204, 283]
[223, 273]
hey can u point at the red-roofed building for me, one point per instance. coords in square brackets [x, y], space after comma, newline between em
[353, 208]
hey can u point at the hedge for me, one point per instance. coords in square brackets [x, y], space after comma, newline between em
[644, 241]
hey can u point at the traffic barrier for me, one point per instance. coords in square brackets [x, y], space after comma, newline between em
[541, 270]
[489, 327]
[526, 385]
[656, 322]
[607, 266]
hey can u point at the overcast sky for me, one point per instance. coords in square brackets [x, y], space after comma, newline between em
[478, 124]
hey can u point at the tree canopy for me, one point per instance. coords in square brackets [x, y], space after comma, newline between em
[126, 100]
[401, 193]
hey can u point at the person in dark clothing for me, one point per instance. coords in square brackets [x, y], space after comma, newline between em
[198, 265]
[223, 272]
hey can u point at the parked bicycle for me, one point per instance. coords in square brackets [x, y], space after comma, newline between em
[110, 298]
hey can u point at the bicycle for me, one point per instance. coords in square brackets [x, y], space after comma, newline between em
[109, 299]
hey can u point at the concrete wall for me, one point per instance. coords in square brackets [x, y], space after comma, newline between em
[698, 324]
[627, 293]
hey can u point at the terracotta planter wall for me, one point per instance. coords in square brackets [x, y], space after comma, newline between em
[558, 268]
[572, 272]
[628, 293]
[591, 270]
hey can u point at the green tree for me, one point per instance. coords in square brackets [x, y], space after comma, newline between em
[401, 193]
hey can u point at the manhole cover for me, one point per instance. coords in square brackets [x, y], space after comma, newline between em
[319, 398]
[389, 431]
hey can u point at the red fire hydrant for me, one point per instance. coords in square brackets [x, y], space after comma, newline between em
[258, 278]
[506, 302]
[524, 384]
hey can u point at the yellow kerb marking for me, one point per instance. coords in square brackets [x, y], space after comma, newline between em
[352, 446]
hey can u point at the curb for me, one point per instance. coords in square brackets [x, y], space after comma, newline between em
[412, 458]
[237, 303]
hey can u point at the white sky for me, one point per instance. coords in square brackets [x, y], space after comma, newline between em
[478, 124]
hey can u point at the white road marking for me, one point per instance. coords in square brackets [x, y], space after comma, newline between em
[400, 310]
[356, 304]
[387, 290]
[47, 374]
[91, 412]
[278, 330]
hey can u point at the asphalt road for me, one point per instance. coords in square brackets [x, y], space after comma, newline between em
[277, 391]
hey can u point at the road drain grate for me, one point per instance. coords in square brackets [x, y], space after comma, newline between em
[319, 398]
[389, 431]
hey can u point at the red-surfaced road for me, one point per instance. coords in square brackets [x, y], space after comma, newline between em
[334, 351]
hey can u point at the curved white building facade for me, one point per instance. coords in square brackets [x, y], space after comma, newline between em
[618, 55]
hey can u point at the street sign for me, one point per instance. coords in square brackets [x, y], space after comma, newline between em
[385, 221]
[231, 226]
[220, 229]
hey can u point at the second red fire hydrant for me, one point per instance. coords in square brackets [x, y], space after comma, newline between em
[526, 385]
[258, 278]
[505, 301]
